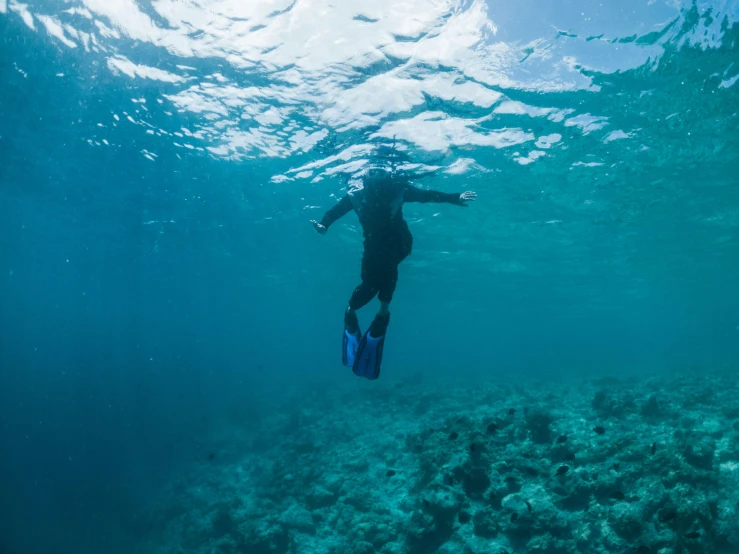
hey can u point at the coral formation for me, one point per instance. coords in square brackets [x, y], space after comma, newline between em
[604, 466]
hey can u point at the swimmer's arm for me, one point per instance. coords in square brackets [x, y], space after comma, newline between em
[414, 194]
[343, 207]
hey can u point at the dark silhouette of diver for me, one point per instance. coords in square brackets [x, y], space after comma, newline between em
[378, 203]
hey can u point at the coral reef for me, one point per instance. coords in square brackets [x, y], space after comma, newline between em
[599, 466]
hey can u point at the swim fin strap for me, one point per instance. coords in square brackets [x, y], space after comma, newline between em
[369, 354]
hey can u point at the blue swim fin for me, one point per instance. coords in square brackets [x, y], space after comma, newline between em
[350, 341]
[369, 353]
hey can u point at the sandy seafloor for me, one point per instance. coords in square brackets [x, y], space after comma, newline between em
[645, 465]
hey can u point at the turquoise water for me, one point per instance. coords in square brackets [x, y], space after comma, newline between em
[161, 285]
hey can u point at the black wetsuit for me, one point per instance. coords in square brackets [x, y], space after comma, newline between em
[387, 239]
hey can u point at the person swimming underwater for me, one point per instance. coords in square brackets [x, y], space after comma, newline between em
[378, 202]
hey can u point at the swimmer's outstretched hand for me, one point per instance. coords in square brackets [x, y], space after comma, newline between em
[465, 197]
[320, 228]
